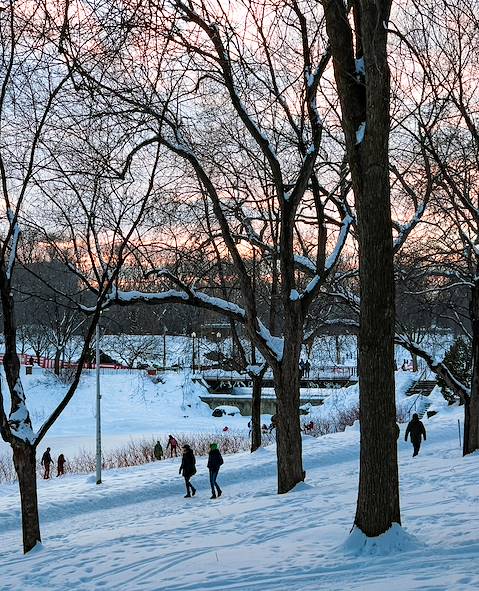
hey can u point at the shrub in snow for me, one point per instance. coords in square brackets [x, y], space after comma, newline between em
[459, 360]
[138, 452]
[7, 472]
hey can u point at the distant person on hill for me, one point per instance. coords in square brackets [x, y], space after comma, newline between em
[61, 465]
[215, 460]
[307, 368]
[188, 469]
[301, 368]
[158, 451]
[308, 427]
[416, 430]
[173, 445]
[46, 462]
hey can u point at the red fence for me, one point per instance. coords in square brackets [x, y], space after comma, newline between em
[47, 363]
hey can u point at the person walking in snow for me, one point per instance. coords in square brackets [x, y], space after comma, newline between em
[61, 465]
[46, 462]
[215, 461]
[188, 469]
[173, 445]
[416, 430]
[158, 451]
[307, 368]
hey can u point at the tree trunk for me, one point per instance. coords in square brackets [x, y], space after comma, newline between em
[364, 97]
[24, 459]
[56, 363]
[471, 407]
[467, 427]
[288, 431]
[287, 389]
[414, 362]
[256, 412]
[378, 496]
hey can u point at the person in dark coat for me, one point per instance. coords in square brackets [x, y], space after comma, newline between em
[416, 430]
[307, 368]
[46, 463]
[158, 451]
[215, 460]
[61, 465]
[188, 468]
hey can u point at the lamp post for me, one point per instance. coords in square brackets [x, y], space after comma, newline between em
[218, 339]
[98, 408]
[193, 358]
[164, 348]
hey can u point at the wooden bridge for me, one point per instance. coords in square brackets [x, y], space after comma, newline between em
[220, 382]
[234, 389]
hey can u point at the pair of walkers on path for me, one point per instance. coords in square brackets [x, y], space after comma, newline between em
[188, 469]
[47, 461]
[172, 445]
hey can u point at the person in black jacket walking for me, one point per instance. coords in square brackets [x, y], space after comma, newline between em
[46, 463]
[215, 460]
[415, 429]
[188, 468]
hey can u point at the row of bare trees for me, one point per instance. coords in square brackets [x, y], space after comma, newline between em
[259, 163]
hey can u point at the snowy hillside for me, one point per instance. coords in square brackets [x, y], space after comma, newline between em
[133, 406]
[136, 532]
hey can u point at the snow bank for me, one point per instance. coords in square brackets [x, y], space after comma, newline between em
[395, 540]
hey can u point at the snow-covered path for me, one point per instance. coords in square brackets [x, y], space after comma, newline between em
[137, 532]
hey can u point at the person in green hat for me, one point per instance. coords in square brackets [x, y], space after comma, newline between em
[215, 460]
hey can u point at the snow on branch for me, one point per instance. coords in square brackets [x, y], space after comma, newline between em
[305, 263]
[19, 418]
[332, 259]
[15, 236]
[343, 234]
[274, 344]
[190, 296]
[406, 229]
[457, 278]
[350, 298]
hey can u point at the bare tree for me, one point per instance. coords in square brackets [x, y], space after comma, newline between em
[443, 50]
[132, 348]
[219, 75]
[39, 117]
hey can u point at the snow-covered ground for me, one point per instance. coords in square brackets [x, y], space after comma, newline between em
[137, 532]
[132, 407]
